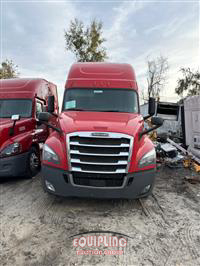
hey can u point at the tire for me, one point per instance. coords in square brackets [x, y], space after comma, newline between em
[33, 163]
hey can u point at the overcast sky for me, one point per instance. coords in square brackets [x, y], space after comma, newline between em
[32, 35]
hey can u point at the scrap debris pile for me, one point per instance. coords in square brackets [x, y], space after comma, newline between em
[168, 154]
[174, 155]
[177, 142]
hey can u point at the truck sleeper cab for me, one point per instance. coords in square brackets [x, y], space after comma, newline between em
[102, 150]
[21, 133]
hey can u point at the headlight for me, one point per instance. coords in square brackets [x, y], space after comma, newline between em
[148, 159]
[11, 149]
[49, 155]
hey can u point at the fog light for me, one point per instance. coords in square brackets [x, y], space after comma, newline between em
[130, 181]
[146, 189]
[49, 186]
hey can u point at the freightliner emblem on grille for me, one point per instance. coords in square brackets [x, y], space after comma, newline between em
[99, 134]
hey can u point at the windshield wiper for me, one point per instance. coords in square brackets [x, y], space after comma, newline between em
[74, 109]
[114, 111]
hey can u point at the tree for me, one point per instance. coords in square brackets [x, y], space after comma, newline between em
[156, 75]
[86, 44]
[8, 70]
[190, 82]
[143, 96]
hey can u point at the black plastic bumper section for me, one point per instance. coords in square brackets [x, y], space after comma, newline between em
[133, 185]
[13, 165]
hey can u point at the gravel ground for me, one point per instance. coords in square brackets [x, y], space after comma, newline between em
[163, 229]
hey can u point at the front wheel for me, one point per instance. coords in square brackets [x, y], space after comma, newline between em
[33, 163]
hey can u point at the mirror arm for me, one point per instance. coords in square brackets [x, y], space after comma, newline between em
[148, 130]
[12, 128]
[54, 114]
[51, 126]
[146, 117]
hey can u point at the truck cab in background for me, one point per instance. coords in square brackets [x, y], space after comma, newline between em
[21, 133]
[100, 148]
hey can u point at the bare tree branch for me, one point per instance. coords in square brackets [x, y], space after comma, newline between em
[156, 75]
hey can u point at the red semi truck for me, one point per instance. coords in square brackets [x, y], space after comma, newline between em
[100, 147]
[21, 101]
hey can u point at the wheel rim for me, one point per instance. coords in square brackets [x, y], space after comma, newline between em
[34, 161]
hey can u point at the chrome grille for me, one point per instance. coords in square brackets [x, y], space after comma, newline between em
[99, 152]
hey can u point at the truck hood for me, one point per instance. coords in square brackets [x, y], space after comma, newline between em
[126, 123]
[6, 124]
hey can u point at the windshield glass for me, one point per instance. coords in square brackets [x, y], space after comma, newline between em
[101, 100]
[9, 107]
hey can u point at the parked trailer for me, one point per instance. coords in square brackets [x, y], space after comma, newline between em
[192, 124]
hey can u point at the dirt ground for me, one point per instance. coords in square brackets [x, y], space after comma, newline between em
[163, 229]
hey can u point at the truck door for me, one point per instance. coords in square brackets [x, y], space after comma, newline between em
[41, 129]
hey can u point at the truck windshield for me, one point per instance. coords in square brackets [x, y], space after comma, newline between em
[9, 107]
[101, 100]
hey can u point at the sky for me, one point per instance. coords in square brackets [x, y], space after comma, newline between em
[32, 35]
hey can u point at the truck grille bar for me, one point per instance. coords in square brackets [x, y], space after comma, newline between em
[93, 145]
[99, 152]
[97, 163]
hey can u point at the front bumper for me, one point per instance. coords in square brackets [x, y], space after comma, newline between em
[13, 165]
[133, 185]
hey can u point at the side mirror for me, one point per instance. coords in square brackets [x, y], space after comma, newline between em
[44, 117]
[152, 106]
[15, 117]
[157, 121]
[50, 108]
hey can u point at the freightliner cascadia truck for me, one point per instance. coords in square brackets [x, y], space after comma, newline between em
[21, 133]
[99, 147]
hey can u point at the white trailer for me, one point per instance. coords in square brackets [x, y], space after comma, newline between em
[192, 123]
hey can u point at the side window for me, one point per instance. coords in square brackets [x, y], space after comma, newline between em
[38, 108]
